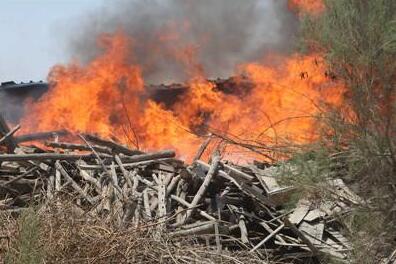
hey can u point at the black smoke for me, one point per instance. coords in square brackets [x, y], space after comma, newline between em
[222, 33]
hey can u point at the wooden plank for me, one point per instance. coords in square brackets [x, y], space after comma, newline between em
[115, 147]
[313, 232]
[71, 146]
[149, 156]
[162, 195]
[243, 229]
[299, 213]
[40, 136]
[202, 148]
[268, 238]
[314, 215]
[72, 182]
[302, 236]
[9, 140]
[233, 172]
[47, 156]
[256, 193]
[9, 134]
[202, 189]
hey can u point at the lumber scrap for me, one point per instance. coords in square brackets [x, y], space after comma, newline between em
[115, 147]
[47, 156]
[40, 136]
[9, 140]
[72, 146]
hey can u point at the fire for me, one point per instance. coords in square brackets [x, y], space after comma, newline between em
[106, 97]
[283, 102]
[309, 6]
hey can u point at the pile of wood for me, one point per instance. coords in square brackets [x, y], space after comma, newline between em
[224, 205]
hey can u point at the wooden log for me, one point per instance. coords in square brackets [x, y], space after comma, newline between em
[146, 203]
[48, 156]
[9, 134]
[202, 148]
[129, 165]
[71, 146]
[124, 171]
[23, 175]
[270, 230]
[295, 230]
[243, 229]
[162, 197]
[51, 187]
[221, 173]
[40, 136]
[149, 156]
[233, 172]
[205, 228]
[181, 191]
[169, 189]
[267, 238]
[115, 147]
[256, 193]
[300, 212]
[114, 180]
[64, 173]
[313, 232]
[188, 205]
[109, 174]
[9, 140]
[202, 189]
[57, 181]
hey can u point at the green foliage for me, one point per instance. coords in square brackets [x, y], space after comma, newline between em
[27, 249]
[358, 40]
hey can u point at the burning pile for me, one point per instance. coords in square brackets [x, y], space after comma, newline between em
[220, 203]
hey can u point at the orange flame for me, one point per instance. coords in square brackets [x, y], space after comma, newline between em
[314, 7]
[107, 97]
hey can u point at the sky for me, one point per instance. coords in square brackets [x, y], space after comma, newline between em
[34, 35]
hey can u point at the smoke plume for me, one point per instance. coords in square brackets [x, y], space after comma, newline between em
[212, 35]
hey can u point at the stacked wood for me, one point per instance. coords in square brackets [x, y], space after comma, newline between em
[223, 205]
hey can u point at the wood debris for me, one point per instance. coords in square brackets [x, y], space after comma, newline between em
[224, 205]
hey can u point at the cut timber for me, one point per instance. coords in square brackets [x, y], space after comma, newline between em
[314, 215]
[256, 193]
[342, 240]
[302, 236]
[201, 191]
[206, 228]
[268, 238]
[47, 156]
[9, 134]
[162, 179]
[149, 156]
[313, 232]
[71, 146]
[188, 205]
[40, 136]
[221, 173]
[342, 191]
[202, 148]
[300, 212]
[9, 140]
[115, 147]
[243, 228]
[64, 173]
[233, 172]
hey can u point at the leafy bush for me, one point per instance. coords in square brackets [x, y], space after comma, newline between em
[358, 40]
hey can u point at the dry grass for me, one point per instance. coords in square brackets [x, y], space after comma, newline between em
[64, 236]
